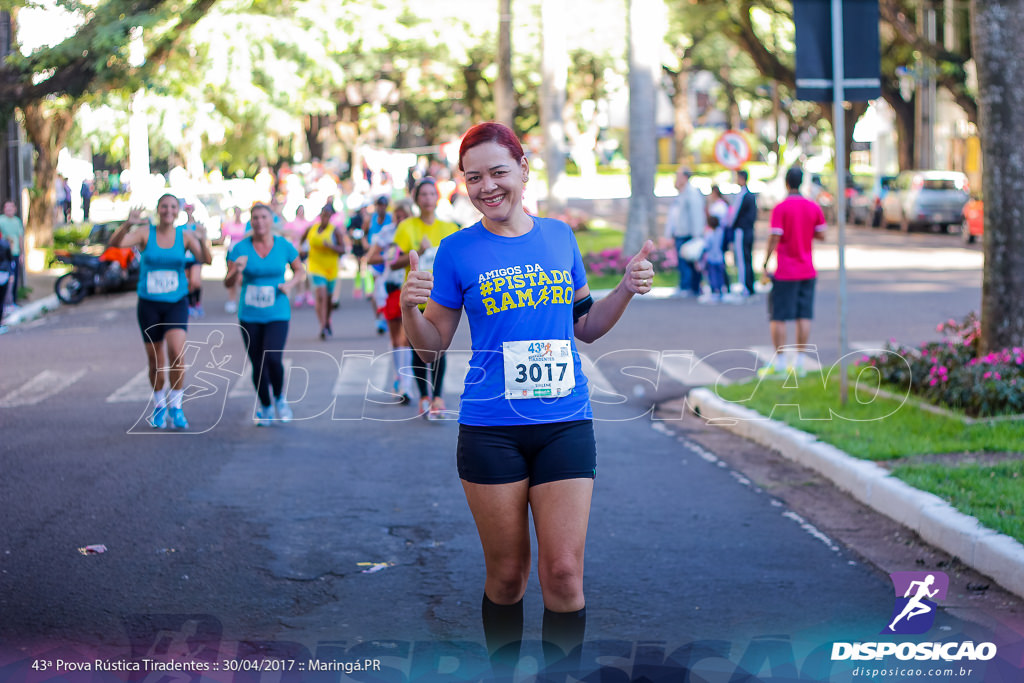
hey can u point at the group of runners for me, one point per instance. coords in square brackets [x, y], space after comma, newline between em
[526, 439]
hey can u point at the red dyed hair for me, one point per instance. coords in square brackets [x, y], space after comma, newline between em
[491, 131]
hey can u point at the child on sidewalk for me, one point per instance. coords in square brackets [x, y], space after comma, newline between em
[712, 261]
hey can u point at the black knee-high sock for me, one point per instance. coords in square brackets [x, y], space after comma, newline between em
[562, 633]
[503, 631]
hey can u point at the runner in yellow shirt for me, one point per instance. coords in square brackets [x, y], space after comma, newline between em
[326, 243]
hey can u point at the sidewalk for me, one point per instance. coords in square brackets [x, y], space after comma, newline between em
[40, 299]
[936, 521]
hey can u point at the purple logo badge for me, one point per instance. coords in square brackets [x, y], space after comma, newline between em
[917, 595]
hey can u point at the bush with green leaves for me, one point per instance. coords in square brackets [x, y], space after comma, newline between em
[951, 372]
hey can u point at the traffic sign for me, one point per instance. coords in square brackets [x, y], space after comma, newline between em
[814, 50]
[732, 150]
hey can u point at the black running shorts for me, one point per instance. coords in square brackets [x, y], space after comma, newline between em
[541, 453]
[156, 317]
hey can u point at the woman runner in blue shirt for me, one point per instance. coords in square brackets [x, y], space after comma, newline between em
[163, 299]
[261, 261]
[526, 439]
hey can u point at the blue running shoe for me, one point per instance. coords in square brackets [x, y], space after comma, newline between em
[264, 416]
[178, 420]
[284, 411]
[158, 420]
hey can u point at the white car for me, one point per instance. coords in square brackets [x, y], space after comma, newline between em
[918, 199]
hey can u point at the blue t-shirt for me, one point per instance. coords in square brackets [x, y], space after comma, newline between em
[162, 271]
[513, 289]
[261, 301]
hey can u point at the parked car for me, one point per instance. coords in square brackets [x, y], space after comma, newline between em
[866, 207]
[973, 224]
[922, 198]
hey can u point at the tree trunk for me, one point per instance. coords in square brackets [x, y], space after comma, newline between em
[473, 77]
[555, 71]
[504, 95]
[313, 127]
[681, 103]
[850, 118]
[48, 128]
[996, 27]
[644, 71]
[904, 128]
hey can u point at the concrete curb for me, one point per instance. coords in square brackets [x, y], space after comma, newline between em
[935, 520]
[32, 310]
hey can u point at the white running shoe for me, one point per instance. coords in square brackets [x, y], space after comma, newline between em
[283, 410]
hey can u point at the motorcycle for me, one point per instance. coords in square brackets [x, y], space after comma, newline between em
[97, 268]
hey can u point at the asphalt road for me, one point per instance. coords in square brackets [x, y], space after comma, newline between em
[344, 535]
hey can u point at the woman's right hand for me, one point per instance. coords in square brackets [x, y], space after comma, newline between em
[134, 216]
[418, 285]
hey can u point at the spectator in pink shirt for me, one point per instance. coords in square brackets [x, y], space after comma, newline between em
[796, 223]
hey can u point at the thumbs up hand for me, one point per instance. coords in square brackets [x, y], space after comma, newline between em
[418, 285]
[639, 276]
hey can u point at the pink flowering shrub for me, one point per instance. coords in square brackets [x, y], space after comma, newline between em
[951, 373]
[613, 261]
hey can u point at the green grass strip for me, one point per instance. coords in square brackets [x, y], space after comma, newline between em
[992, 493]
[868, 426]
[877, 428]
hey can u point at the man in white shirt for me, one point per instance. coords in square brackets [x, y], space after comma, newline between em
[686, 221]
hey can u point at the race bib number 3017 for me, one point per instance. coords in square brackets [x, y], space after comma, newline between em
[538, 368]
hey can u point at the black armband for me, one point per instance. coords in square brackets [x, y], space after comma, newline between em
[581, 307]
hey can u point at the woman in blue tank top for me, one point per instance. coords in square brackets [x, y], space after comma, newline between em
[163, 300]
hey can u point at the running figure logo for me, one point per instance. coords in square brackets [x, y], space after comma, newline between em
[917, 594]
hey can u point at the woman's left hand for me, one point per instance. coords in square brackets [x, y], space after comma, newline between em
[639, 277]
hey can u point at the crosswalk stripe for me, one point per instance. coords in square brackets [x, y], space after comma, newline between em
[364, 373]
[596, 379]
[689, 371]
[358, 369]
[811, 360]
[136, 389]
[44, 385]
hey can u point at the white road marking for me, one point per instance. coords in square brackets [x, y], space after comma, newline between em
[683, 368]
[135, 389]
[44, 385]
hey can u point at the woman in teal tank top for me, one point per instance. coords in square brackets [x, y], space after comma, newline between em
[163, 300]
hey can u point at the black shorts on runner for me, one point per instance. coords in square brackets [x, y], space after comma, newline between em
[156, 317]
[791, 300]
[542, 453]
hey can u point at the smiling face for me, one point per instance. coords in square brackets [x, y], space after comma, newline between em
[495, 180]
[167, 209]
[9, 208]
[261, 221]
